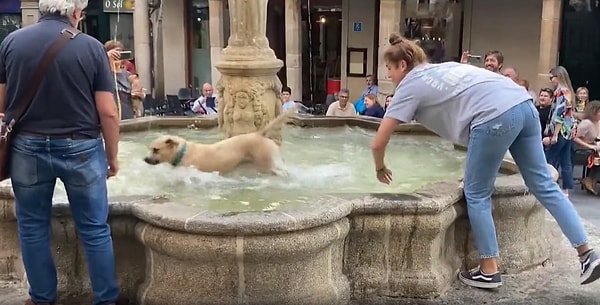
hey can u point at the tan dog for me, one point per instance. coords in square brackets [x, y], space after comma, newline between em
[224, 156]
[136, 101]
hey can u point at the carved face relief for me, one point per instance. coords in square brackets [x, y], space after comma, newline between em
[242, 99]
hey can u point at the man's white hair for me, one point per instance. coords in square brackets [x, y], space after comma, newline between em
[62, 7]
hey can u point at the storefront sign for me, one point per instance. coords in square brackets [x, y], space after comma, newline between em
[10, 6]
[121, 6]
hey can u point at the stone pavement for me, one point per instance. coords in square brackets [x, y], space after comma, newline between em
[555, 283]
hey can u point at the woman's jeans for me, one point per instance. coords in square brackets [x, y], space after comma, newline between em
[36, 163]
[519, 131]
[559, 155]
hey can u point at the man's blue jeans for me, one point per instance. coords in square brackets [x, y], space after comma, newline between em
[559, 155]
[36, 163]
[519, 131]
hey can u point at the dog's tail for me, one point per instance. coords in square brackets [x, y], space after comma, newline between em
[279, 121]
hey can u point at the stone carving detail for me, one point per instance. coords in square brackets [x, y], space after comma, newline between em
[249, 23]
[248, 104]
[249, 89]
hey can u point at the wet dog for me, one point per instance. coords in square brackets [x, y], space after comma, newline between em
[224, 156]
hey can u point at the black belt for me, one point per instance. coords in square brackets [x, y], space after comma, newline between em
[74, 136]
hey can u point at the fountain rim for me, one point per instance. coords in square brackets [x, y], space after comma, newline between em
[435, 198]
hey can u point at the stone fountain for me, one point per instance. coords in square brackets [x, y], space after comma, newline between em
[249, 88]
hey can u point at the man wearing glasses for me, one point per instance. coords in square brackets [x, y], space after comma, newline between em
[342, 107]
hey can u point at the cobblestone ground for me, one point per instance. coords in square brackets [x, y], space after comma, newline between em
[554, 284]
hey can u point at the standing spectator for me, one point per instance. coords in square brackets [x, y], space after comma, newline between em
[544, 108]
[560, 127]
[122, 92]
[60, 136]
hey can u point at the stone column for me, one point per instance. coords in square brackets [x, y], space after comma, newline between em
[390, 18]
[549, 40]
[141, 40]
[249, 89]
[215, 10]
[293, 47]
[30, 12]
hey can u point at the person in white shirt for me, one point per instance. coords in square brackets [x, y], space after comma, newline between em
[207, 103]
[342, 107]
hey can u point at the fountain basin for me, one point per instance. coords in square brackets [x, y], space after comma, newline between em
[330, 250]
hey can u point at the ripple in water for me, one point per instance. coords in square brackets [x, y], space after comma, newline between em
[318, 160]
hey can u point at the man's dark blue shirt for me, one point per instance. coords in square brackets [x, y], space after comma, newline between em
[65, 102]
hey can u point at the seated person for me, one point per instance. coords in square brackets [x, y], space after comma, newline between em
[360, 105]
[373, 108]
[588, 138]
[207, 103]
[388, 99]
[342, 107]
[286, 101]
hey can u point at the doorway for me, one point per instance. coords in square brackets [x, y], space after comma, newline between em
[322, 43]
[580, 44]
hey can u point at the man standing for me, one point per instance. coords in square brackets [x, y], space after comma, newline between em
[60, 136]
[493, 60]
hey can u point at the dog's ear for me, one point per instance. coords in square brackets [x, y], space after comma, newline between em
[171, 143]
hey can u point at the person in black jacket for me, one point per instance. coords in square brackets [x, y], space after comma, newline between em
[373, 108]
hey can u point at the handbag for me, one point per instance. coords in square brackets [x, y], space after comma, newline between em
[23, 104]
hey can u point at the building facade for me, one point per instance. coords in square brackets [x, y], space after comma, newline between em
[321, 41]
[527, 32]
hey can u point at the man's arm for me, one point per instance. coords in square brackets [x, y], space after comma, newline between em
[109, 122]
[104, 88]
[197, 105]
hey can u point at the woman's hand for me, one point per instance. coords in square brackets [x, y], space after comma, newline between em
[554, 139]
[384, 175]
[546, 141]
[114, 54]
[464, 59]
[138, 93]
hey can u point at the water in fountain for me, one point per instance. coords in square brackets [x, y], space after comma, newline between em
[319, 161]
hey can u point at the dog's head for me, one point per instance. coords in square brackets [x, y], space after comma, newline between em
[165, 149]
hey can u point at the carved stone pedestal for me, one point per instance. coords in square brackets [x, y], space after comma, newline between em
[249, 89]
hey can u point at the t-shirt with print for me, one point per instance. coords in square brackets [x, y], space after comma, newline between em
[451, 98]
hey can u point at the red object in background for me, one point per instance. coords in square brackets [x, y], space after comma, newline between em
[129, 66]
[333, 86]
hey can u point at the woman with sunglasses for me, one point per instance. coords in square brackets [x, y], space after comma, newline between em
[560, 128]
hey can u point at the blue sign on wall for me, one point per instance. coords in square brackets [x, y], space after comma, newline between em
[358, 27]
[10, 6]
